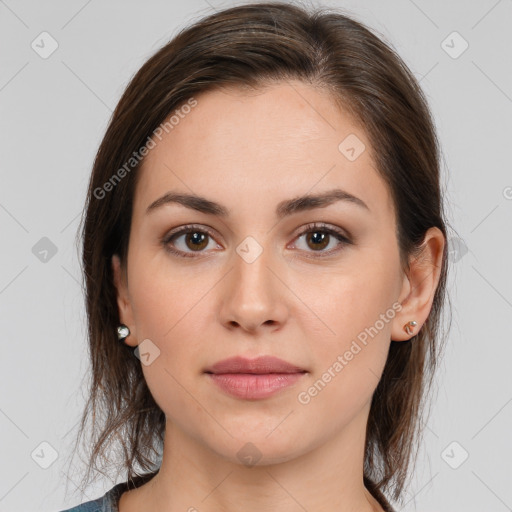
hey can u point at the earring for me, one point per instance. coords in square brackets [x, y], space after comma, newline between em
[408, 325]
[122, 332]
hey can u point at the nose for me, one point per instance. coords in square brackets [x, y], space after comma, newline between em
[254, 295]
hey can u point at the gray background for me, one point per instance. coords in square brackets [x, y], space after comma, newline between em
[53, 115]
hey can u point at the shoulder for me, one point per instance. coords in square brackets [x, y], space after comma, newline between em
[90, 506]
[110, 500]
[106, 503]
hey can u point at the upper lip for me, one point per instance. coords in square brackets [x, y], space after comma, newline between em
[261, 365]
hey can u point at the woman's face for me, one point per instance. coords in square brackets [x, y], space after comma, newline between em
[257, 280]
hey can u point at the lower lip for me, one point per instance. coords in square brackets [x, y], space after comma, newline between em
[254, 386]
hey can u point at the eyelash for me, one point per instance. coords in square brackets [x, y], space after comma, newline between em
[312, 227]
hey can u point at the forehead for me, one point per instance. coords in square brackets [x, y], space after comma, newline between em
[276, 142]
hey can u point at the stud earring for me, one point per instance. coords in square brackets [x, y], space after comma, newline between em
[409, 326]
[122, 332]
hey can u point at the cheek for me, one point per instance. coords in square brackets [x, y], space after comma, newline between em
[348, 364]
[166, 302]
[174, 310]
[166, 312]
[356, 315]
[344, 304]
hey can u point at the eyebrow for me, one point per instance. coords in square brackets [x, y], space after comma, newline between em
[284, 208]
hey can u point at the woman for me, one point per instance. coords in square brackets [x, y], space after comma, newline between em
[264, 251]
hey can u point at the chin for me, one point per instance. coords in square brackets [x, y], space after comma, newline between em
[255, 447]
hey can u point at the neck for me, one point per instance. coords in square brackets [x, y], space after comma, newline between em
[192, 477]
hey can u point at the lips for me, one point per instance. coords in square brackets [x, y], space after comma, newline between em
[254, 379]
[260, 365]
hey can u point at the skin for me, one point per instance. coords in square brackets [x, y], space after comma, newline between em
[248, 152]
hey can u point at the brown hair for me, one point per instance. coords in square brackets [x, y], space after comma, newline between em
[250, 46]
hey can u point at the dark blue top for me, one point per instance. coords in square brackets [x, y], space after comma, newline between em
[106, 503]
[110, 500]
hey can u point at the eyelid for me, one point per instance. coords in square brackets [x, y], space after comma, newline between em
[189, 227]
[323, 226]
[183, 230]
[341, 235]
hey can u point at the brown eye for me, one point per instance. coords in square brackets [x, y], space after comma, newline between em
[321, 240]
[188, 240]
[315, 238]
[318, 240]
[195, 240]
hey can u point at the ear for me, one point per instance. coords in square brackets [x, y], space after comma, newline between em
[123, 299]
[419, 285]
